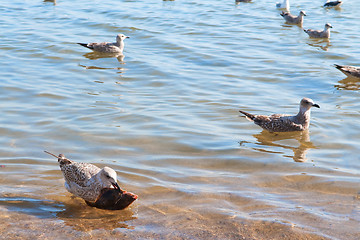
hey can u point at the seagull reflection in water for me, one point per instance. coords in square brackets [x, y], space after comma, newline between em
[272, 139]
[53, 1]
[348, 83]
[322, 43]
[96, 55]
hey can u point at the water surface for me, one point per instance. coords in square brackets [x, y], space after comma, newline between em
[166, 118]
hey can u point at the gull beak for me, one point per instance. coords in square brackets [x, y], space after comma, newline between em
[315, 105]
[116, 186]
[127, 37]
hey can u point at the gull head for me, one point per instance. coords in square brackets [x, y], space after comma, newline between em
[303, 13]
[109, 178]
[121, 37]
[328, 25]
[306, 104]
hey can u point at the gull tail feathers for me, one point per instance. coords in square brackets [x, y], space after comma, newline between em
[249, 116]
[85, 45]
[338, 66]
[61, 158]
[342, 69]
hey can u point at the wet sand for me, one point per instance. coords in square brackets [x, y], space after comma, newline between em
[216, 215]
[192, 226]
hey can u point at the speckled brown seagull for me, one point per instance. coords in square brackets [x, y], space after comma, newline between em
[349, 71]
[86, 180]
[285, 123]
[106, 47]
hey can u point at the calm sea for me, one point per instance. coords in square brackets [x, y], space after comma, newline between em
[166, 119]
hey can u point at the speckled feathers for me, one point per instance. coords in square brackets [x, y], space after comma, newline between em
[285, 123]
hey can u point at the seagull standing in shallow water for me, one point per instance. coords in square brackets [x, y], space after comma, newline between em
[292, 19]
[86, 180]
[285, 123]
[318, 33]
[106, 47]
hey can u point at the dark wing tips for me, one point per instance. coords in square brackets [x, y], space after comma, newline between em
[249, 115]
[338, 66]
[85, 45]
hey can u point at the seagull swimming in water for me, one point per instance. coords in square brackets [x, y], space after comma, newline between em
[349, 71]
[86, 180]
[285, 123]
[284, 5]
[319, 33]
[336, 3]
[292, 19]
[106, 47]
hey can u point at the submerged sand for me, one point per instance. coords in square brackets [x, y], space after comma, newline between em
[15, 225]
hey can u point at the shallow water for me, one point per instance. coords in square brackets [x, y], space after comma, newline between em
[166, 119]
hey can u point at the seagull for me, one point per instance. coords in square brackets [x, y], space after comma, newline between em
[336, 3]
[292, 19]
[318, 33]
[285, 123]
[284, 5]
[86, 180]
[349, 71]
[106, 47]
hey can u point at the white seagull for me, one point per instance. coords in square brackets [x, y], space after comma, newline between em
[319, 33]
[283, 5]
[106, 47]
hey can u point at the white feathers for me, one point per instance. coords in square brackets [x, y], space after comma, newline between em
[105, 47]
[284, 5]
[319, 33]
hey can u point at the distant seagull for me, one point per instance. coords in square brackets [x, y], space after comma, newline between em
[292, 19]
[237, 1]
[285, 123]
[284, 5]
[106, 47]
[86, 180]
[336, 3]
[349, 71]
[318, 33]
